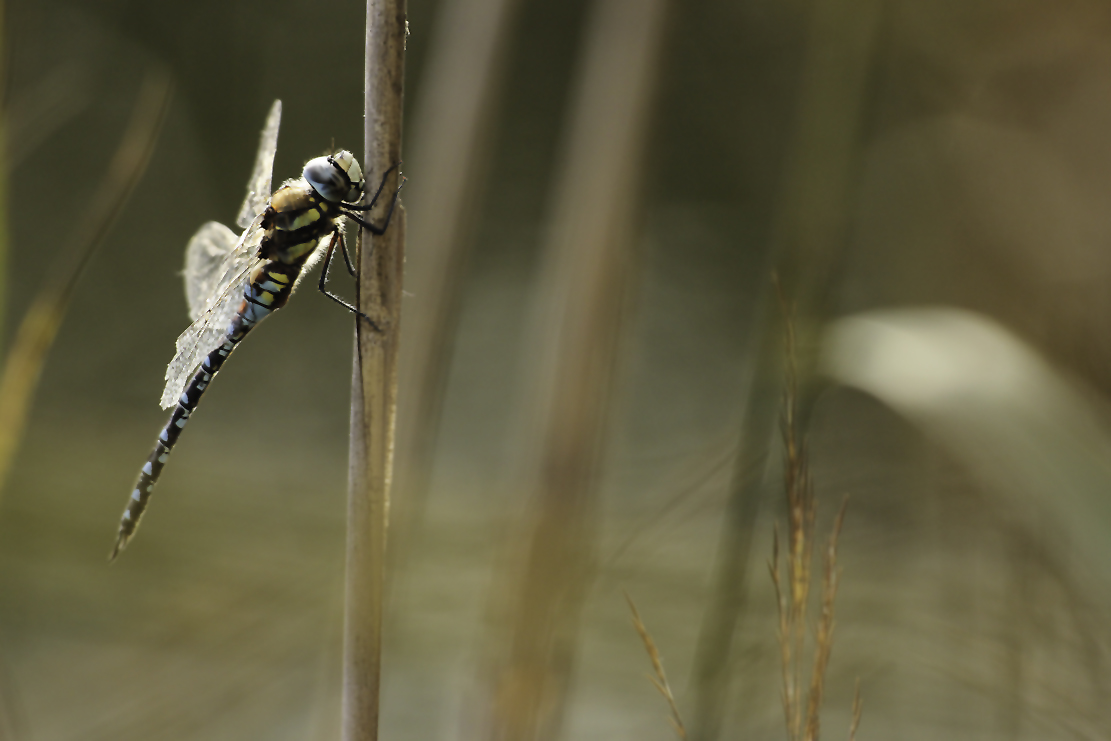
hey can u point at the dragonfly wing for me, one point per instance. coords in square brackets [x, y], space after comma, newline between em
[214, 310]
[258, 187]
[218, 268]
[204, 257]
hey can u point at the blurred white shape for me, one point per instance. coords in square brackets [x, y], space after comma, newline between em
[1027, 431]
[931, 357]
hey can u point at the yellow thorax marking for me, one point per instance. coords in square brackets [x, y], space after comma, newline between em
[297, 251]
[304, 219]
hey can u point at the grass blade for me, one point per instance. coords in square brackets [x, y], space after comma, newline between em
[660, 680]
[39, 326]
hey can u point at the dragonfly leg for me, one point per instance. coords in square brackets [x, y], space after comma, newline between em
[334, 297]
[374, 228]
[378, 192]
[346, 257]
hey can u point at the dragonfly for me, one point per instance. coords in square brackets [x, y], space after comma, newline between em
[233, 282]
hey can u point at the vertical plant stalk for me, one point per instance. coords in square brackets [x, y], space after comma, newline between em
[374, 383]
[39, 326]
[450, 152]
[792, 598]
[792, 591]
[823, 640]
[800, 523]
[809, 235]
[791, 633]
[586, 272]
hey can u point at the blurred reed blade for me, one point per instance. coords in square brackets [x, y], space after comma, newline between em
[453, 127]
[39, 326]
[858, 710]
[587, 269]
[809, 234]
[374, 380]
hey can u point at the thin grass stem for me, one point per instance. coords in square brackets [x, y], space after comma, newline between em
[823, 641]
[858, 711]
[660, 680]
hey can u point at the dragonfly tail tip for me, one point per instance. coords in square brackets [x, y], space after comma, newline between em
[121, 543]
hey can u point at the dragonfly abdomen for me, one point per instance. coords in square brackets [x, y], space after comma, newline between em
[150, 472]
[267, 292]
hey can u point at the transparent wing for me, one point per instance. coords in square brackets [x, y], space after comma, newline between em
[204, 257]
[213, 242]
[218, 268]
[215, 309]
[258, 187]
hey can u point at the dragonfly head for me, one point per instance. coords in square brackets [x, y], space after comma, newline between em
[336, 177]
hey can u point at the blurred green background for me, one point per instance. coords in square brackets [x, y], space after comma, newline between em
[931, 179]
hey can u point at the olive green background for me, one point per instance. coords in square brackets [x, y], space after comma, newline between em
[981, 182]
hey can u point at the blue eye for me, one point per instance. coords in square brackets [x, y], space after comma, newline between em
[336, 178]
[327, 178]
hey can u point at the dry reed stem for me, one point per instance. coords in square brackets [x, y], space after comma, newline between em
[800, 535]
[40, 323]
[792, 598]
[824, 638]
[660, 680]
[783, 634]
[374, 383]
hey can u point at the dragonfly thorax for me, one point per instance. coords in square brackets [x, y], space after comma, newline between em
[336, 177]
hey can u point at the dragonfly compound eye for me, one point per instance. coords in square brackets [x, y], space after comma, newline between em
[330, 178]
[347, 162]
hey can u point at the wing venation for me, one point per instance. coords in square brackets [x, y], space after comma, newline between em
[207, 251]
[218, 267]
[214, 311]
[258, 187]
